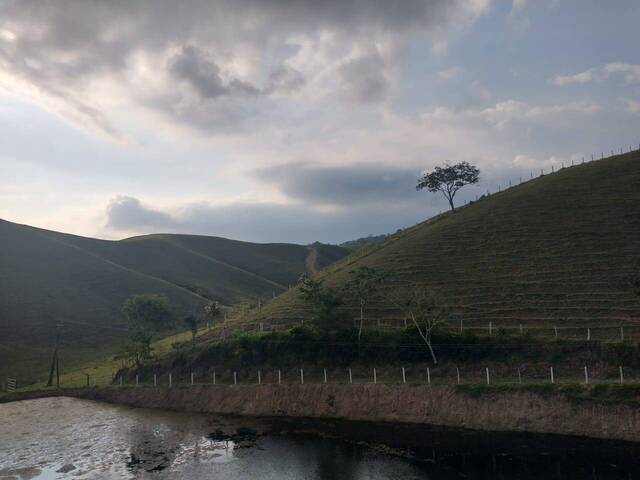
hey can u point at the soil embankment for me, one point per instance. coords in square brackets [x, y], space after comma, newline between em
[517, 411]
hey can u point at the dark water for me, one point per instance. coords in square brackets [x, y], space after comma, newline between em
[71, 438]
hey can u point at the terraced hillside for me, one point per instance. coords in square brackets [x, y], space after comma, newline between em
[48, 277]
[562, 249]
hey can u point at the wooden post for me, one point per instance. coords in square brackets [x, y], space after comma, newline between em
[325, 375]
[621, 374]
[428, 376]
[555, 329]
[136, 380]
[588, 334]
[192, 379]
[235, 378]
[551, 373]
[458, 374]
[488, 380]
[301, 377]
[259, 378]
[155, 380]
[375, 377]
[519, 376]
[404, 376]
[279, 377]
[586, 375]
[214, 377]
[170, 380]
[350, 376]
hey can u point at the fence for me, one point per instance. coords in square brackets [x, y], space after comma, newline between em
[413, 375]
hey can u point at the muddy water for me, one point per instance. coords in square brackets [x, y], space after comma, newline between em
[58, 438]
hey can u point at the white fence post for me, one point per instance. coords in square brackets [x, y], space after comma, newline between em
[622, 334]
[325, 375]
[551, 373]
[235, 378]
[279, 377]
[259, 378]
[490, 328]
[375, 376]
[588, 334]
[192, 379]
[488, 380]
[350, 376]
[458, 374]
[170, 380]
[621, 374]
[301, 377]
[404, 376]
[214, 377]
[136, 380]
[519, 376]
[428, 376]
[155, 380]
[120, 380]
[586, 375]
[555, 329]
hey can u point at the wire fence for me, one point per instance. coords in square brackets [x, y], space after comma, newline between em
[385, 375]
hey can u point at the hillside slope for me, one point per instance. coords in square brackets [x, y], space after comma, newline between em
[48, 277]
[560, 249]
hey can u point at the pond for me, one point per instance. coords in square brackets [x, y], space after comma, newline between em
[58, 438]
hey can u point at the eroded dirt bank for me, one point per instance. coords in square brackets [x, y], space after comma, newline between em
[444, 406]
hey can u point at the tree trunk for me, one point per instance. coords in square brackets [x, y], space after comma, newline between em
[433, 354]
[361, 323]
[450, 198]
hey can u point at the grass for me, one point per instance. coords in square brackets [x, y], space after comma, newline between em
[49, 277]
[559, 250]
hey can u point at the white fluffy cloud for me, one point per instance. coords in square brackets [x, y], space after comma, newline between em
[629, 72]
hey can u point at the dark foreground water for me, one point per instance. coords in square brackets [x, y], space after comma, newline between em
[71, 438]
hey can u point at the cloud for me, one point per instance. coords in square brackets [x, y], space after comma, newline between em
[89, 60]
[633, 106]
[124, 213]
[449, 73]
[262, 222]
[630, 73]
[358, 184]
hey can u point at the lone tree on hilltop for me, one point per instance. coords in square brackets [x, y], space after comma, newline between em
[426, 310]
[449, 179]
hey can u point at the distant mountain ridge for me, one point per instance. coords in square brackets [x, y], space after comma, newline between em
[48, 277]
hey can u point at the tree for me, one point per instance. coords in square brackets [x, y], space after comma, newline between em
[192, 323]
[211, 311]
[364, 284]
[449, 179]
[425, 309]
[146, 315]
[325, 300]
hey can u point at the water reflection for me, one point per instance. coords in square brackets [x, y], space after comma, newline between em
[62, 438]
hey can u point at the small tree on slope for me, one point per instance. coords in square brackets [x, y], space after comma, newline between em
[449, 179]
[425, 309]
[364, 283]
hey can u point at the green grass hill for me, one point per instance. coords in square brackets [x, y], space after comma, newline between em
[561, 249]
[48, 277]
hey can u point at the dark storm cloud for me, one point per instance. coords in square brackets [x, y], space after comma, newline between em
[264, 222]
[348, 185]
[192, 66]
[64, 47]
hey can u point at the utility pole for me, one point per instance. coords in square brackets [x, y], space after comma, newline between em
[55, 360]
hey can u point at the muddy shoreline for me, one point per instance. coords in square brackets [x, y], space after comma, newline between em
[521, 411]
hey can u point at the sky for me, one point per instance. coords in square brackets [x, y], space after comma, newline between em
[297, 120]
